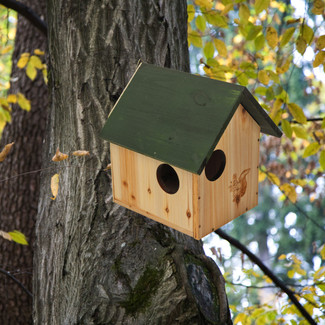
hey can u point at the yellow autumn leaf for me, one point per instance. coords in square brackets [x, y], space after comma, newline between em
[195, 38]
[55, 186]
[31, 71]
[300, 132]
[39, 52]
[204, 3]
[22, 61]
[320, 43]
[319, 59]
[282, 257]
[273, 178]
[221, 47]
[23, 102]
[261, 176]
[297, 113]
[318, 7]
[291, 273]
[5, 151]
[311, 149]
[59, 156]
[6, 49]
[44, 72]
[263, 77]
[18, 237]
[289, 191]
[320, 272]
[283, 67]
[271, 37]
[5, 235]
[322, 252]
[301, 45]
[36, 62]
[81, 153]
[12, 98]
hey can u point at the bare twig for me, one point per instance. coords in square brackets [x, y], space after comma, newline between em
[278, 282]
[8, 274]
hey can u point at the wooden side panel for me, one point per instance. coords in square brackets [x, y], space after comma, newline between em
[236, 190]
[135, 186]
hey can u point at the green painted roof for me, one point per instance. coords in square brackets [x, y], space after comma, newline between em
[177, 117]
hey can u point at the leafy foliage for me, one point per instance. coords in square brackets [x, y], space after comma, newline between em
[277, 52]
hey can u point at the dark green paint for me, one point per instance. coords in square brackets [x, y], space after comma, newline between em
[177, 117]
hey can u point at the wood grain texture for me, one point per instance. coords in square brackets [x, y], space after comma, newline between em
[135, 186]
[229, 196]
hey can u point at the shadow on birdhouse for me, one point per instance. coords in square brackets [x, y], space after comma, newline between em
[185, 149]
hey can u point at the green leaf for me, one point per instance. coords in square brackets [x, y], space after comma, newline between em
[261, 5]
[286, 37]
[274, 76]
[217, 20]
[297, 112]
[286, 128]
[306, 33]
[200, 23]
[18, 237]
[300, 132]
[244, 13]
[208, 50]
[242, 78]
[322, 159]
[311, 149]
[259, 42]
[195, 39]
[252, 31]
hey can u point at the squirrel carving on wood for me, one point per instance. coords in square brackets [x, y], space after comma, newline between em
[239, 186]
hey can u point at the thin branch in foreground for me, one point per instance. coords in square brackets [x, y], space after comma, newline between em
[8, 274]
[278, 282]
[27, 12]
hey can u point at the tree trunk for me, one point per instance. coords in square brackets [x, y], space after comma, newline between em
[96, 262]
[19, 196]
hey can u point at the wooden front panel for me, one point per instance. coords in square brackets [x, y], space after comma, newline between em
[236, 190]
[135, 186]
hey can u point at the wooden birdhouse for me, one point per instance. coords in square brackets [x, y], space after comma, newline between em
[185, 149]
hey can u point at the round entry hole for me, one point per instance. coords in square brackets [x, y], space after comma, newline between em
[167, 178]
[215, 165]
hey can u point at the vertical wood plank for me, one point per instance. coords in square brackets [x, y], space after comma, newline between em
[135, 186]
[236, 191]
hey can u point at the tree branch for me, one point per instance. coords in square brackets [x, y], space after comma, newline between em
[16, 280]
[278, 282]
[27, 12]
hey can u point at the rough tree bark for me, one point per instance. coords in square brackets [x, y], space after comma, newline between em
[19, 196]
[95, 262]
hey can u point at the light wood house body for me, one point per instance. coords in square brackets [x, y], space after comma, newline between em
[185, 149]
